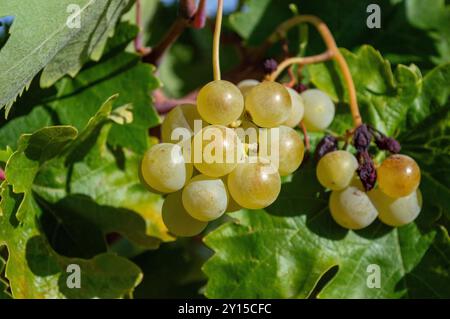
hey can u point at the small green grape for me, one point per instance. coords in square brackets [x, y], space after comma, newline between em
[205, 198]
[181, 116]
[336, 169]
[269, 104]
[220, 102]
[298, 109]
[254, 185]
[216, 150]
[177, 219]
[351, 208]
[164, 169]
[288, 147]
[246, 85]
[319, 110]
[397, 211]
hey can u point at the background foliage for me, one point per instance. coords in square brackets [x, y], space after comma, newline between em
[71, 145]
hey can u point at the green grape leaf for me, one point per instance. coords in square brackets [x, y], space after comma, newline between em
[384, 96]
[118, 72]
[76, 33]
[428, 135]
[38, 118]
[434, 17]
[56, 173]
[33, 151]
[35, 270]
[286, 250]
[172, 271]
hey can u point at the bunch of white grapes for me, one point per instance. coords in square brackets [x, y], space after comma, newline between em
[212, 168]
[396, 201]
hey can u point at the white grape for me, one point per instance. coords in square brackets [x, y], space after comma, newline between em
[220, 102]
[297, 111]
[269, 104]
[397, 211]
[254, 185]
[246, 85]
[180, 117]
[177, 219]
[205, 198]
[164, 169]
[335, 170]
[351, 207]
[216, 150]
[319, 110]
[285, 149]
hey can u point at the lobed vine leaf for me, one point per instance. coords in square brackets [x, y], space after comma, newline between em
[64, 192]
[35, 270]
[77, 32]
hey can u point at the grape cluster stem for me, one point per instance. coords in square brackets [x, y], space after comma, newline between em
[332, 52]
[216, 41]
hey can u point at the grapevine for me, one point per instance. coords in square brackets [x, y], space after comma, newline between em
[224, 149]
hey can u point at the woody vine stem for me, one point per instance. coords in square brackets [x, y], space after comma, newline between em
[332, 52]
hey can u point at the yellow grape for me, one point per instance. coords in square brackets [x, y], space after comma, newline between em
[335, 170]
[397, 211]
[177, 219]
[351, 207]
[288, 153]
[398, 176]
[220, 102]
[319, 110]
[269, 104]
[164, 169]
[181, 116]
[254, 185]
[297, 109]
[246, 85]
[216, 150]
[205, 198]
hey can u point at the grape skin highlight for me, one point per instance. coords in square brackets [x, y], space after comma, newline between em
[220, 102]
[205, 198]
